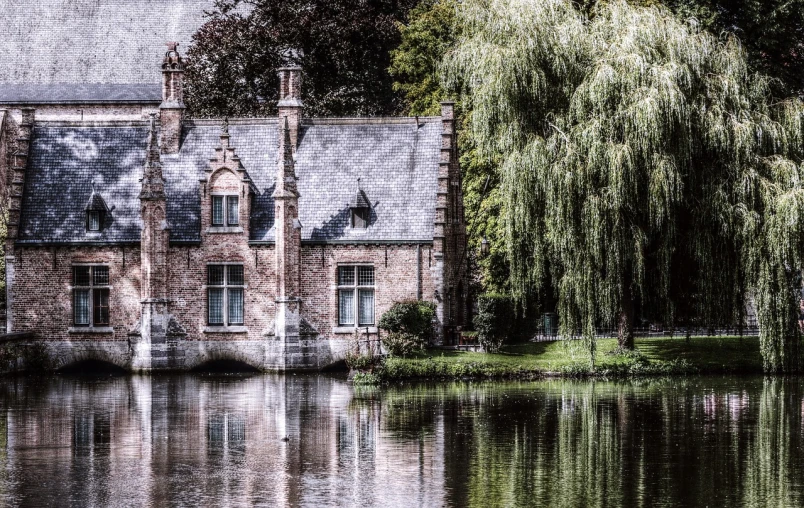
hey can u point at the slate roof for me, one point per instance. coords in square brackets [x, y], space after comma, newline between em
[63, 164]
[69, 93]
[396, 160]
[93, 41]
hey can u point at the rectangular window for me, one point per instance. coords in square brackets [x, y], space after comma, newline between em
[93, 220]
[356, 295]
[91, 295]
[234, 211]
[225, 211]
[217, 210]
[225, 295]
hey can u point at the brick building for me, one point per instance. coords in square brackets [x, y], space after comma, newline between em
[167, 242]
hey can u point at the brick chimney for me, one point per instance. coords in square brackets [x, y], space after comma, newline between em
[171, 111]
[290, 103]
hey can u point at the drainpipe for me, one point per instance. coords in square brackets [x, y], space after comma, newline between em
[419, 271]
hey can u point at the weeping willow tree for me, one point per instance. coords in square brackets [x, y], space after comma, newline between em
[642, 164]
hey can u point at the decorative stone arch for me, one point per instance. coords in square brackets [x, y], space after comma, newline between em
[250, 353]
[225, 179]
[66, 353]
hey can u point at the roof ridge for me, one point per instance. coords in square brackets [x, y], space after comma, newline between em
[216, 122]
[91, 123]
[369, 120]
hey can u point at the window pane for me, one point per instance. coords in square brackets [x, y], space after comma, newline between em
[365, 275]
[235, 306]
[100, 304]
[346, 275]
[217, 210]
[233, 218]
[93, 221]
[346, 307]
[215, 306]
[235, 275]
[360, 218]
[366, 304]
[81, 306]
[80, 276]
[100, 275]
[215, 275]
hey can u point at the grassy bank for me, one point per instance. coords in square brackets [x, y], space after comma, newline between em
[653, 356]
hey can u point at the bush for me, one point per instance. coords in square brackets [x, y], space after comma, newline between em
[357, 361]
[402, 344]
[494, 320]
[411, 317]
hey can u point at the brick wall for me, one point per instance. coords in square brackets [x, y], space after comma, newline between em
[42, 300]
[42, 296]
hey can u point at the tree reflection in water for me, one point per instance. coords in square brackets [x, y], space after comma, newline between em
[316, 440]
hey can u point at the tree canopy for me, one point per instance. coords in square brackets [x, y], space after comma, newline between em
[640, 161]
[343, 46]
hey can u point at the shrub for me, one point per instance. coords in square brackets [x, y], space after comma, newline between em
[494, 320]
[356, 361]
[402, 344]
[411, 317]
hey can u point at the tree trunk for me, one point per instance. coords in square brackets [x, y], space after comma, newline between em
[625, 331]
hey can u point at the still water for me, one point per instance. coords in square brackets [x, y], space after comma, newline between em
[318, 441]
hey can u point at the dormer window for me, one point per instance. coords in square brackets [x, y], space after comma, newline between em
[360, 208]
[360, 218]
[96, 211]
[225, 211]
[93, 220]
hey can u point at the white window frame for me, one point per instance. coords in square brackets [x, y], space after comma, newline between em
[356, 288]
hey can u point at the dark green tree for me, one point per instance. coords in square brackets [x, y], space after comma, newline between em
[343, 46]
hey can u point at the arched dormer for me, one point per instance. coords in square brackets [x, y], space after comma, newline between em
[225, 190]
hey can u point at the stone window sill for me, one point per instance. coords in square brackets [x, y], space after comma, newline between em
[225, 329]
[351, 329]
[224, 229]
[90, 329]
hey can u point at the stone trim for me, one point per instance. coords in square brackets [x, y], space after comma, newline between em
[225, 329]
[90, 329]
[224, 230]
[352, 329]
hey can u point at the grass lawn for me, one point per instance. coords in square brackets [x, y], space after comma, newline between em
[653, 356]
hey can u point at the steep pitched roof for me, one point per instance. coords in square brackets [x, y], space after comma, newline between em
[93, 41]
[77, 93]
[65, 161]
[396, 160]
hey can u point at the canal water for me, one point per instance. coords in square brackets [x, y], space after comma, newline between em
[315, 440]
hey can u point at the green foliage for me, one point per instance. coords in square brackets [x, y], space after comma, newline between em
[494, 320]
[429, 34]
[344, 50]
[410, 317]
[631, 145]
[357, 361]
[366, 379]
[402, 344]
[770, 31]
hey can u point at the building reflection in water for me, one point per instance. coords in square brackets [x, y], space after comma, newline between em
[316, 440]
